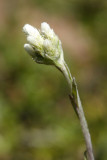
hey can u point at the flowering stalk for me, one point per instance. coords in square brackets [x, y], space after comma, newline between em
[45, 47]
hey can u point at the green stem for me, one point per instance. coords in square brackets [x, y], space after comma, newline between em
[76, 102]
[66, 72]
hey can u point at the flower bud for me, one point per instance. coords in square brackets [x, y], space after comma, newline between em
[47, 31]
[45, 27]
[32, 40]
[29, 30]
[29, 49]
[44, 45]
[47, 44]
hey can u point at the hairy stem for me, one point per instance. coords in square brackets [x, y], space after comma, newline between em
[76, 102]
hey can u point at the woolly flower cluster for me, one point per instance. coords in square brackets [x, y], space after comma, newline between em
[43, 45]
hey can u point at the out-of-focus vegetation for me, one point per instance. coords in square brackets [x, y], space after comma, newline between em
[36, 118]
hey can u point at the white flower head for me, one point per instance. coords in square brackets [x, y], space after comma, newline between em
[47, 31]
[45, 27]
[29, 49]
[47, 45]
[44, 45]
[30, 30]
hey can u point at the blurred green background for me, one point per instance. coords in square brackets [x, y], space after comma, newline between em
[37, 121]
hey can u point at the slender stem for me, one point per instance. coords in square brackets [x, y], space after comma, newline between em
[66, 72]
[79, 110]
